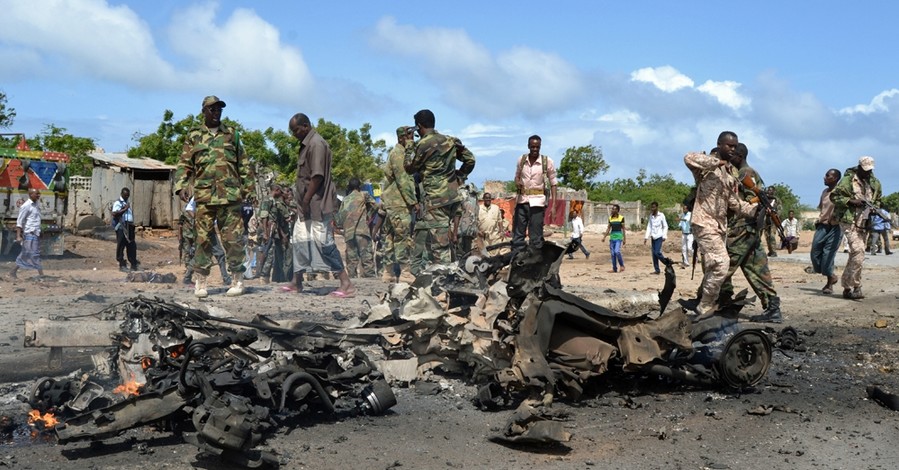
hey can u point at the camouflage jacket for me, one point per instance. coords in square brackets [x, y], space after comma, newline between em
[399, 192]
[356, 209]
[281, 217]
[468, 221]
[215, 167]
[716, 193]
[852, 187]
[736, 221]
[434, 157]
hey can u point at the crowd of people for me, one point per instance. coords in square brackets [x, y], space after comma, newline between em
[428, 214]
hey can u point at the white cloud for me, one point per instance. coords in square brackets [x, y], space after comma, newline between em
[665, 78]
[90, 36]
[477, 130]
[726, 93]
[243, 55]
[877, 104]
[519, 81]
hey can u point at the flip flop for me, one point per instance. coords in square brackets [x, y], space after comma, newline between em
[341, 294]
[288, 289]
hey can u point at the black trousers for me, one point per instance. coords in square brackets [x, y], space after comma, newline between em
[125, 244]
[530, 219]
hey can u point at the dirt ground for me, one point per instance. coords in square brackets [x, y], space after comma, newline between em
[811, 411]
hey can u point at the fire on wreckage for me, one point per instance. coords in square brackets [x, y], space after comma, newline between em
[226, 388]
[522, 338]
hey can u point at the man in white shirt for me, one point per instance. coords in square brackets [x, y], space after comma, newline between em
[577, 235]
[686, 247]
[123, 222]
[657, 230]
[28, 234]
[490, 226]
[791, 232]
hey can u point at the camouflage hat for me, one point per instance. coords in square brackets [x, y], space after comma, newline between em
[211, 100]
[866, 163]
[403, 130]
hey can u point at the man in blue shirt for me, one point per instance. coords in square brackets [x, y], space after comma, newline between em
[123, 222]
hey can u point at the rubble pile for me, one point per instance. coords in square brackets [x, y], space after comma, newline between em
[223, 384]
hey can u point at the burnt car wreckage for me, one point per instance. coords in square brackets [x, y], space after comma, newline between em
[227, 383]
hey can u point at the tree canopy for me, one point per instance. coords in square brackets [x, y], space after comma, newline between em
[663, 189]
[581, 165]
[7, 114]
[56, 139]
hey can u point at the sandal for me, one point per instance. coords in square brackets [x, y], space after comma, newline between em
[827, 290]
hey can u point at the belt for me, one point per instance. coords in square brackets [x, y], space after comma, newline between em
[533, 192]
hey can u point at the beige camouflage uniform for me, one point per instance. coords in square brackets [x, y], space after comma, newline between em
[397, 203]
[716, 193]
[853, 221]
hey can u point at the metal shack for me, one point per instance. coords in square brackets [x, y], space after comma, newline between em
[151, 182]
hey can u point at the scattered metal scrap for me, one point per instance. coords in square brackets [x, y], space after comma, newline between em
[528, 337]
[225, 388]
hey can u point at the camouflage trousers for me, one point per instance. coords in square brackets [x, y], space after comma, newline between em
[360, 260]
[398, 239]
[230, 228]
[744, 246]
[432, 238]
[715, 262]
[852, 274]
[218, 253]
[770, 240]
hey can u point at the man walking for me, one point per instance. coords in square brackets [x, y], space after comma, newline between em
[313, 244]
[123, 220]
[28, 235]
[216, 172]
[577, 235]
[826, 241]
[615, 230]
[686, 242]
[657, 230]
[856, 192]
[790, 226]
[534, 177]
[744, 246]
[434, 159]
[716, 193]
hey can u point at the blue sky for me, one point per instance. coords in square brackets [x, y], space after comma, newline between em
[806, 85]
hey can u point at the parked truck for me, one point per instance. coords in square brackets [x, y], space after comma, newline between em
[22, 169]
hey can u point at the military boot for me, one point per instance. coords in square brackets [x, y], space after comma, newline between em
[200, 291]
[236, 286]
[771, 314]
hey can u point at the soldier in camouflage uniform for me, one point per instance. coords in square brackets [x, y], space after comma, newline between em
[282, 217]
[745, 246]
[715, 197]
[353, 217]
[265, 227]
[434, 158]
[397, 203]
[215, 171]
[467, 227]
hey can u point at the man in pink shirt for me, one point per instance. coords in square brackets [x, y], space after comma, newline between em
[534, 175]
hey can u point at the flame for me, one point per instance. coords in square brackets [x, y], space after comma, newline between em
[177, 351]
[131, 387]
[46, 419]
[146, 363]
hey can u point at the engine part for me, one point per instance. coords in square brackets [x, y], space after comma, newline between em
[745, 359]
[378, 397]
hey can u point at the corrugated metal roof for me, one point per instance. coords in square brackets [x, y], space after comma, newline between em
[122, 160]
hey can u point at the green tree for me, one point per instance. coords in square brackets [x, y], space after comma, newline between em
[355, 154]
[890, 202]
[581, 165]
[788, 200]
[7, 115]
[165, 144]
[56, 139]
[663, 189]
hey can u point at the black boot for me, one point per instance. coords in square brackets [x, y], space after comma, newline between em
[771, 314]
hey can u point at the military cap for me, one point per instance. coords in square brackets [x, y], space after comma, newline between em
[401, 131]
[867, 163]
[211, 100]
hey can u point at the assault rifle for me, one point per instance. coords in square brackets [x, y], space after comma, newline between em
[769, 210]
